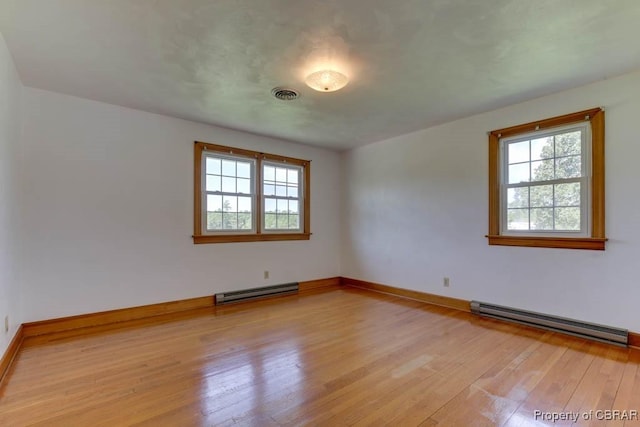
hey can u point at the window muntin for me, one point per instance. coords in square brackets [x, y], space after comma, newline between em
[545, 185]
[230, 196]
[282, 194]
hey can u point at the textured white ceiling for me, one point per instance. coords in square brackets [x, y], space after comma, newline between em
[412, 63]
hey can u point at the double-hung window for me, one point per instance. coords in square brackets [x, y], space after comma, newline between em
[229, 193]
[282, 191]
[242, 196]
[547, 183]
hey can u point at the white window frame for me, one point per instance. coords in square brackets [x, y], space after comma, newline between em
[584, 179]
[300, 198]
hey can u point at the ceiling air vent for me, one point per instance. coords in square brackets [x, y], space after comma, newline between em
[284, 94]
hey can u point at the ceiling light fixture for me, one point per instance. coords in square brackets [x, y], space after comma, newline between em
[326, 80]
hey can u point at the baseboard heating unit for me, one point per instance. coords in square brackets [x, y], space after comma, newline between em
[577, 328]
[255, 293]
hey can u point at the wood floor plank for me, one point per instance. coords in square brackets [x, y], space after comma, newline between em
[628, 394]
[338, 356]
[599, 385]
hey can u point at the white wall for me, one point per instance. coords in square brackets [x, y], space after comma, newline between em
[108, 211]
[10, 128]
[415, 210]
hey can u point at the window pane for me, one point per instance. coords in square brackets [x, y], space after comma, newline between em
[541, 196]
[292, 191]
[244, 204]
[282, 221]
[568, 194]
[519, 173]
[269, 173]
[283, 206]
[519, 152]
[269, 190]
[269, 205]
[542, 148]
[230, 203]
[213, 183]
[244, 186]
[270, 221]
[292, 176]
[245, 221]
[517, 219]
[568, 143]
[542, 219]
[229, 220]
[293, 206]
[568, 219]
[228, 167]
[542, 170]
[213, 166]
[214, 203]
[281, 175]
[281, 190]
[228, 185]
[518, 197]
[568, 167]
[214, 220]
[294, 221]
[244, 170]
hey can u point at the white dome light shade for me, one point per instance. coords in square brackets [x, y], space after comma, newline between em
[326, 80]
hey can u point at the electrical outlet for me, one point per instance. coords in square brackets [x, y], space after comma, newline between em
[266, 274]
[6, 323]
[445, 282]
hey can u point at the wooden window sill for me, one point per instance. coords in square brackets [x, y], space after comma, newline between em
[270, 237]
[591, 243]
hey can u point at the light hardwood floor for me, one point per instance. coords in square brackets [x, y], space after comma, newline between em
[342, 356]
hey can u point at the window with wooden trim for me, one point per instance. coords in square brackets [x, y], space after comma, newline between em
[546, 183]
[247, 196]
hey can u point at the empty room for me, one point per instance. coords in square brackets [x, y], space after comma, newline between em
[319, 212]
